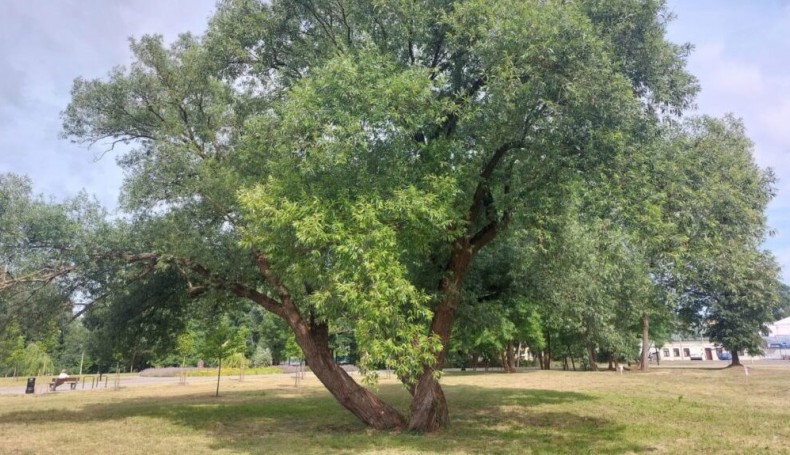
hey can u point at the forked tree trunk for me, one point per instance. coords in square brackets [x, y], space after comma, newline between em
[645, 358]
[429, 405]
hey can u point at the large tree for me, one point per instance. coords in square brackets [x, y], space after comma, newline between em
[378, 147]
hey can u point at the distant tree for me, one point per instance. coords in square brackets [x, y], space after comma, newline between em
[35, 360]
[736, 299]
[185, 345]
[730, 287]
[12, 347]
[262, 357]
[72, 348]
[274, 334]
[223, 340]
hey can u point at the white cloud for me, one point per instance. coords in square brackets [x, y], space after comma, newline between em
[727, 76]
[47, 44]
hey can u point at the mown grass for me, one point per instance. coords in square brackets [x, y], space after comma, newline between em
[665, 411]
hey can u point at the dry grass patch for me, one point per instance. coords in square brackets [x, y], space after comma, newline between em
[664, 411]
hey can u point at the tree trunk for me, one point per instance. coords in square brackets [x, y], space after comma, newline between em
[313, 338]
[645, 358]
[591, 358]
[429, 405]
[736, 360]
[510, 357]
[219, 374]
[518, 355]
[546, 360]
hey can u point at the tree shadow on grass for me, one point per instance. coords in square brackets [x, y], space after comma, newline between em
[484, 420]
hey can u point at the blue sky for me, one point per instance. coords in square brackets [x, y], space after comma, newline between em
[741, 57]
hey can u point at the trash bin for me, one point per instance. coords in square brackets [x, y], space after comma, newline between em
[31, 385]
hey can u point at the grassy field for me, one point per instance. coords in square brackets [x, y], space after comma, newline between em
[678, 410]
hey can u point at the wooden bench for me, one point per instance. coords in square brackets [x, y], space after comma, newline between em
[70, 381]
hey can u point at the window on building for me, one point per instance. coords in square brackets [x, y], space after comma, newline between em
[686, 352]
[666, 352]
[676, 352]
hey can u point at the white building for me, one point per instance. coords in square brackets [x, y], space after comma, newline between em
[697, 349]
[780, 328]
[776, 346]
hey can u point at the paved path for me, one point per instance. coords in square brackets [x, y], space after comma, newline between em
[42, 387]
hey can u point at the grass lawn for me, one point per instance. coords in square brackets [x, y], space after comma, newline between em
[668, 410]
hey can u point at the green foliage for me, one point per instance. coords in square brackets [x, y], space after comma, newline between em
[236, 360]
[274, 334]
[735, 298]
[73, 346]
[34, 360]
[12, 348]
[782, 310]
[185, 343]
[262, 357]
[223, 340]
[141, 320]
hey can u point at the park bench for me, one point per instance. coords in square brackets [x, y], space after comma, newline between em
[57, 381]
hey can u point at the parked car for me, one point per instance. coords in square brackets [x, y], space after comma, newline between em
[724, 355]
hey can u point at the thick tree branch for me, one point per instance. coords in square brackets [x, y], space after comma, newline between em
[237, 288]
[482, 192]
[264, 267]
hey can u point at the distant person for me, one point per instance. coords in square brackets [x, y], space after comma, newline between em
[60, 379]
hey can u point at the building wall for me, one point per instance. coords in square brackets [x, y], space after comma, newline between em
[780, 328]
[696, 350]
